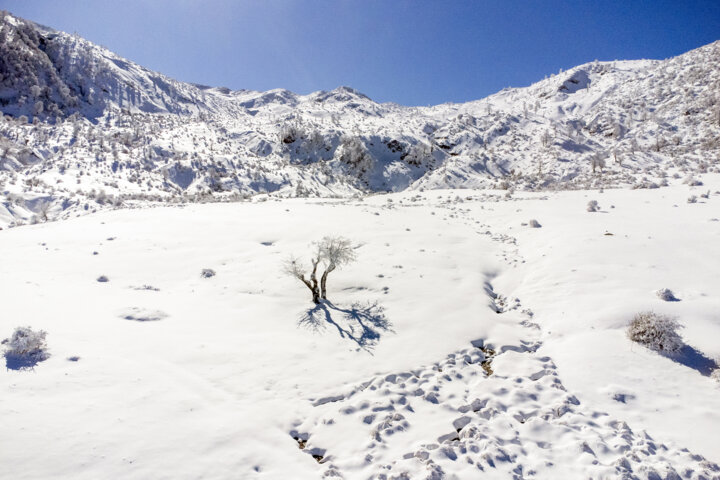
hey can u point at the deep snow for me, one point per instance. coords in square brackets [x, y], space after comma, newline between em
[182, 376]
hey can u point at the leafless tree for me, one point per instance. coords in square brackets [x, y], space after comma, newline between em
[597, 161]
[44, 210]
[330, 253]
[546, 139]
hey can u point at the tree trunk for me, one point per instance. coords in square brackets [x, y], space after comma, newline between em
[313, 274]
[323, 281]
[313, 278]
[313, 290]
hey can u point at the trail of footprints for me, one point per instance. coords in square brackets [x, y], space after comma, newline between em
[493, 410]
[511, 253]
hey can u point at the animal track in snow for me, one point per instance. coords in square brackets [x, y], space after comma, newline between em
[495, 410]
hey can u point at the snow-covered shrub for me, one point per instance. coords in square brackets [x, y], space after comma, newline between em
[103, 279]
[353, 153]
[691, 181]
[692, 199]
[418, 155]
[656, 331]
[666, 294]
[289, 133]
[534, 224]
[101, 197]
[207, 273]
[26, 343]
[597, 162]
[593, 206]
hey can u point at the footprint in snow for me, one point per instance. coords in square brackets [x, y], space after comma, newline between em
[137, 314]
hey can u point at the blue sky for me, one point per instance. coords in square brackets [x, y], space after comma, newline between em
[410, 52]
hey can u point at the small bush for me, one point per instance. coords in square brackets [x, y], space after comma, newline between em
[656, 331]
[693, 182]
[666, 294]
[593, 206]
[207, 273]
[692, 199]
[26, 343]
[103, 279]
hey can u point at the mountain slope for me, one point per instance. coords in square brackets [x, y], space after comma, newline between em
[46, 73]
[84, 128]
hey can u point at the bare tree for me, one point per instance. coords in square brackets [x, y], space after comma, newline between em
[597, 161]
[546, 139]
[43, 210]
[659, 142]
[331, 253]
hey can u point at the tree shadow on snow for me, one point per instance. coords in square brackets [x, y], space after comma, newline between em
[360, 323]
[695, 359]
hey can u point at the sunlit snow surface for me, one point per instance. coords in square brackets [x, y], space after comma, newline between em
[461, 344]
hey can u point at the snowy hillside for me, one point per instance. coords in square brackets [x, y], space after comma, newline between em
[84, 129]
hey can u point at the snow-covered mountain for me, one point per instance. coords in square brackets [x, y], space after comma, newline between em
[495, 332]
[84, 128]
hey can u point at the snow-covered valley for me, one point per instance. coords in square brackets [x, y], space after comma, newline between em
[460, 342]
[501, 248]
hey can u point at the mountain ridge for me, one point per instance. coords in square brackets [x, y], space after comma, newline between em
[76, 112]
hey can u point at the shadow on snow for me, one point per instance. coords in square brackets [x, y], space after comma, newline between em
[693, 358]
[361, 323]
[24, 362]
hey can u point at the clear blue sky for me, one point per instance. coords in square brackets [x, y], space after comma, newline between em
[410, 52]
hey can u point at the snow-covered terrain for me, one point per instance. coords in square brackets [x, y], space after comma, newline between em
[85, 129]
[503, 246]
[461, 342]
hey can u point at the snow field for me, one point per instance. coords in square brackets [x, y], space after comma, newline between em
[227, 367]
[461, 343]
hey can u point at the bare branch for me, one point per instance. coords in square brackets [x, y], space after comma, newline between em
[294, 268]
[336, 251]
